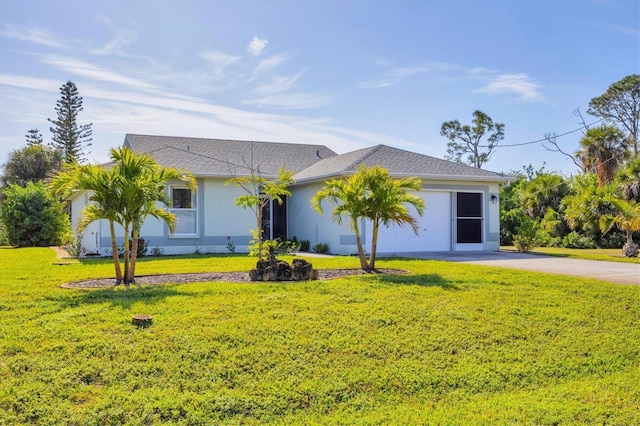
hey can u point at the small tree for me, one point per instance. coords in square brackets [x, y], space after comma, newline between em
[627, 220]
[68, 136]
[34, 137]
[260, 190]
[373, 194]
[467, 140]
[32, 163]
[621, 104]
[32, 217]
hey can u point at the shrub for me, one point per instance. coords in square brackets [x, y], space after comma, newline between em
[304, 245]
[74, 248]
[525, 237]
[575, 240]
[321, 248]
[32, 217]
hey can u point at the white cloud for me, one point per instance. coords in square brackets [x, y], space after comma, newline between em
[219, 59]
[256, 46]
[279, 84]
[84, 69]
[117, 45]
[378, 84]
[291, 101]
[519, 85]
[32, 35]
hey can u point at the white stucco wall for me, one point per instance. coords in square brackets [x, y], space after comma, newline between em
[307, 224]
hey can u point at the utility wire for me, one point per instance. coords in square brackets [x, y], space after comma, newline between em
[543, 139]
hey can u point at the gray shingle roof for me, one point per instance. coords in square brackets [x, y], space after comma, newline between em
[219, 157]
[397, 161]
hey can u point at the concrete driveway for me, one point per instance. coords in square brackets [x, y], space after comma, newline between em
[615, 272]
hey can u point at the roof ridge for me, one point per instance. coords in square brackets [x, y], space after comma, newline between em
[371, 150]
[226, 140]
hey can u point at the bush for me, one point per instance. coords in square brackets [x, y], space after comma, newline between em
[575, 240]
[321, 248]
[525, 237]
[304, 245]
[32, 217]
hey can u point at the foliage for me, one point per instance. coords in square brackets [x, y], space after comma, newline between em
[32, 163]
[231, 247]
[321, 248]
[304, 245]
[261, 190]
[448, 344]
[156, 252]
[575, 240]
[34, 137]
[373, 194]
[628, 180]
[74, 247]
[620, 104]
[68, 136]
[525, 237]
[587, 204]
[602, 150]
[126, 194]
[32, 217]
[610, 255]
[467, 140]
[627, 219]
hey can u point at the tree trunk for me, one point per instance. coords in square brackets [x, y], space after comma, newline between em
[363, 259]
[114, 251]
[127, 254]
[374, 245]
[134, 257]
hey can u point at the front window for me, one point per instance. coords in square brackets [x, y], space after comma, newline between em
[183, 206]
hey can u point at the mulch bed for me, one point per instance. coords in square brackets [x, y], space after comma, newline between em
[233, 277]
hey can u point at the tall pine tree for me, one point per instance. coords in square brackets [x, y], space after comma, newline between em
[34, 137]
[68, 136]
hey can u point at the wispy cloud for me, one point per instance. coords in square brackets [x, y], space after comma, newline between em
[392, 77]
[291, 101]
[32, 35]
[519, 85]
[116, 46]
[257, 45]
[279, 84]
[219, 59]
[85, 69]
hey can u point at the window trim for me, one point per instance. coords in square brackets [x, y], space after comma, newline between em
[194, 208]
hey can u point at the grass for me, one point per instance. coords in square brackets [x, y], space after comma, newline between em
[449, 344]
[612, 255]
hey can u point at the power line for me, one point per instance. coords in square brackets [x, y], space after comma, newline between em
[543, 139]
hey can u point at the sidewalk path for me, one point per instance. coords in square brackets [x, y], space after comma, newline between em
[615, 272]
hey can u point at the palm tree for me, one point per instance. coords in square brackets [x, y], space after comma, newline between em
[125, 193]
[627, 219]
[602, 150]
[348, 196]
[386, 200]
[371, 193]
[105, 198]
[629, 180]
[143, 184]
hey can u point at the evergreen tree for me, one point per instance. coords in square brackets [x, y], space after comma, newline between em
[34, 137]
[68, 136]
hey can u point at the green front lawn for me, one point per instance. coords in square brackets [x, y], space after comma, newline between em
[612, 255]
[449, 344]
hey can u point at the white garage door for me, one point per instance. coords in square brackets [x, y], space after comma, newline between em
[434, 232]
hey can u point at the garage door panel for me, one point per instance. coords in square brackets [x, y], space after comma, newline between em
[434, 232]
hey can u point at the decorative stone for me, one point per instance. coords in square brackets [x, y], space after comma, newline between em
[142, 320]
[273, 269]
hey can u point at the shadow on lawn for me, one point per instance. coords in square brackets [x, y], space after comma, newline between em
[423, 280]
[117, 297]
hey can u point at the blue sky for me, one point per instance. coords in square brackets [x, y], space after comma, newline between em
[346, 74]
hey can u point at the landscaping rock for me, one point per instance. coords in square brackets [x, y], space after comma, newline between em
[273, 269]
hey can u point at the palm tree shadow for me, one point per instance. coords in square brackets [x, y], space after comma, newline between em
[422, 280]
